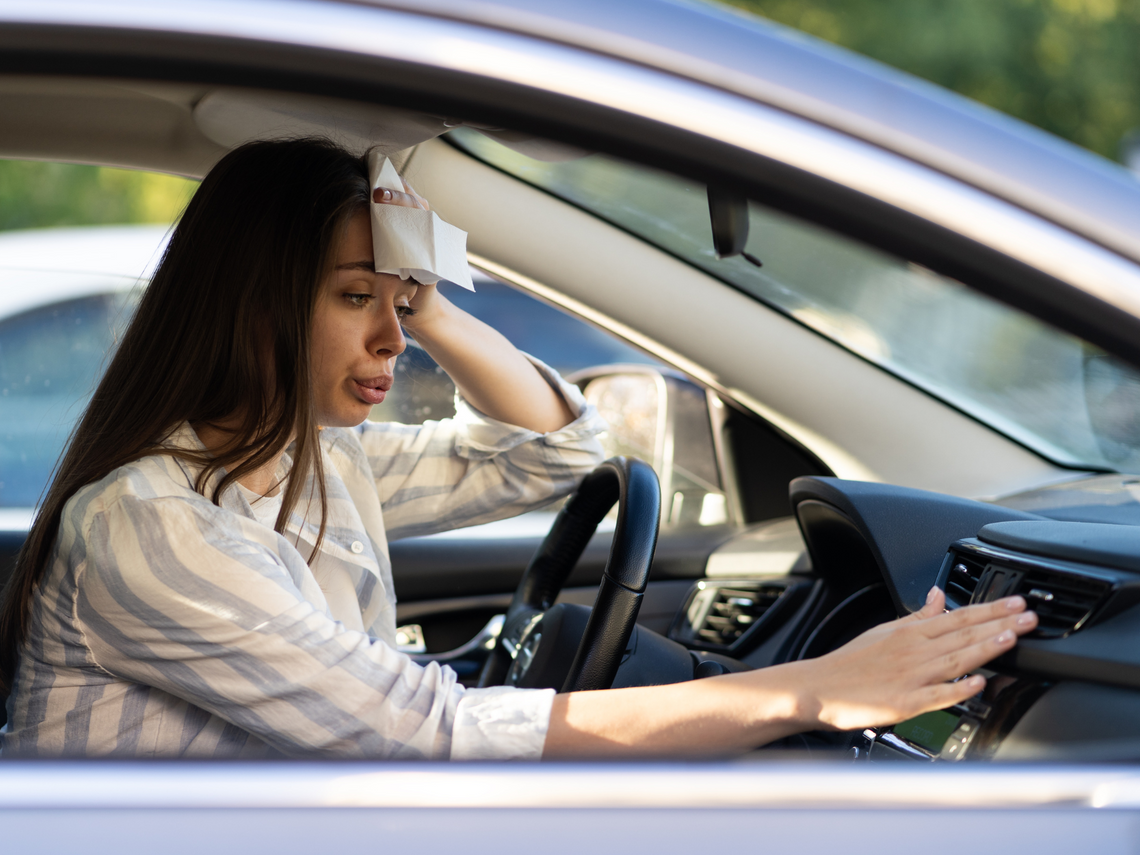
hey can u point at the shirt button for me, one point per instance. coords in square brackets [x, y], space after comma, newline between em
[357, 547]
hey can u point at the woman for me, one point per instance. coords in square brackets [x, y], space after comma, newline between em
[208, 575]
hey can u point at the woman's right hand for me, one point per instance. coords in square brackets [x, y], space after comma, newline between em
[903, 668]
[408, 199]
[888, 674]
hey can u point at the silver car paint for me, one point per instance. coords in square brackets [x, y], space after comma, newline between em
[287, 807]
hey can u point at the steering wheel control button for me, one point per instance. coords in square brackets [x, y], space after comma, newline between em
[357, 547]
[524, 657]
[522, 647]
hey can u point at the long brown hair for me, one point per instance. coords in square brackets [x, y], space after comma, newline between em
[240, 279]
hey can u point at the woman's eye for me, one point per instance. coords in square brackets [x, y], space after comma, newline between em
[358, 300]
[404, 312]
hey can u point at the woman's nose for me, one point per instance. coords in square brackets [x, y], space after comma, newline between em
[388, 336]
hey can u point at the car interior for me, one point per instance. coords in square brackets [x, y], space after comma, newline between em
[820, 462]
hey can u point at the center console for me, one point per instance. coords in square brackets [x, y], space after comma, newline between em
[972, 729]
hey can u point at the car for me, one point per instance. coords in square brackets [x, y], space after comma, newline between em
[893, 340]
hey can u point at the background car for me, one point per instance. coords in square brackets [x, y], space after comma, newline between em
[946, 309]
[66, 296]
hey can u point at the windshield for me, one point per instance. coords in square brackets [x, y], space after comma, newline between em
[1052, 392]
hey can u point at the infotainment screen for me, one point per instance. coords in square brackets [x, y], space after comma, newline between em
[930, 730]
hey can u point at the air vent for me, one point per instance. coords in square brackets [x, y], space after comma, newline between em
[1063, 601]
[733, 610]
[965, 573]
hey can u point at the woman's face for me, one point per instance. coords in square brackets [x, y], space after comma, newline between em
[356, 330]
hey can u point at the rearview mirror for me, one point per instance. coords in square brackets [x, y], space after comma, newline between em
[728, 216]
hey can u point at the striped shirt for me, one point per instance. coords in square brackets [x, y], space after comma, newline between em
[169, 626]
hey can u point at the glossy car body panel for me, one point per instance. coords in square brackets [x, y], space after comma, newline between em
[777, 66]
[702, 92]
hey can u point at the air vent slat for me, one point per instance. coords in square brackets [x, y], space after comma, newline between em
[965, 572]
[1063, 600]
[734, 610]
[1074, 611]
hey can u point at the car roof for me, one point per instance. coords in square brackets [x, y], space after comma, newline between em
[65, 263]
[838, 88]
[168, 126]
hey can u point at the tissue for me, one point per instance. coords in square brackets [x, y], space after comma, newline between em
[411, 241]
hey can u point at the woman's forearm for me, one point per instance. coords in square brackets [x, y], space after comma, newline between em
[489, 371]
[888, 674]
[718, 715]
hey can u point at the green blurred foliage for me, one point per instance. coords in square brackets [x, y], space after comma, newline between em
[1071, 67]
[39, 195]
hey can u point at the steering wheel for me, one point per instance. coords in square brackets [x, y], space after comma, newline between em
[530, 616]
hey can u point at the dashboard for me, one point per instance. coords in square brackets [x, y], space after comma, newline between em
[1069, 691]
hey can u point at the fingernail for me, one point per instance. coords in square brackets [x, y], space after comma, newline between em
[1005, 638]
[976, 682]
[1025, 619]
[386, 195]
[1014, 603]
[931, 595]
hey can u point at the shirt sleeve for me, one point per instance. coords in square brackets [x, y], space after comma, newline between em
[171, 596]
[473, 469]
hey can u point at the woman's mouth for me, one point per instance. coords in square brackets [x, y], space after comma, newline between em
[373, 390]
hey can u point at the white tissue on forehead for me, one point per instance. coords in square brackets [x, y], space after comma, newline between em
[411, 241]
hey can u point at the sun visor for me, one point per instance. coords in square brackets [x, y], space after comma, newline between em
[408, 242]
[231, 117]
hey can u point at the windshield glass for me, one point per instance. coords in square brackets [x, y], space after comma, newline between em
[1058, 395]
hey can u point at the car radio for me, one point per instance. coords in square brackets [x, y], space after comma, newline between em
[972, 729]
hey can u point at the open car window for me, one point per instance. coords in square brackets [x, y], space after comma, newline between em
[1059, 396]
[60, 322]
[51, 357]
[422, 390]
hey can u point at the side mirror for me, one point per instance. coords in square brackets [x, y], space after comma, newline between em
[671, 423]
